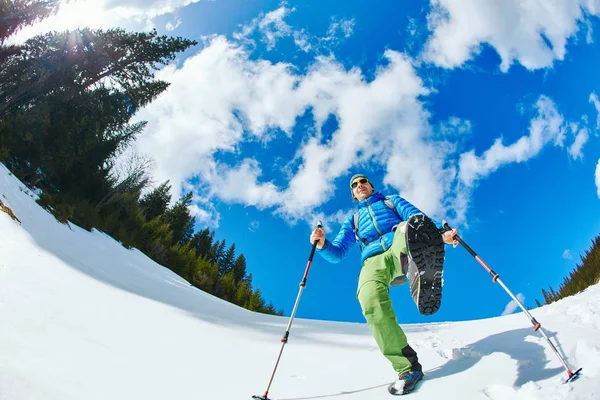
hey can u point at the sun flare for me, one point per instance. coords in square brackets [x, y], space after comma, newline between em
[79, 14]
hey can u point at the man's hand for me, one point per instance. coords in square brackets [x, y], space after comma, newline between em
[448, 237]
[318, 234]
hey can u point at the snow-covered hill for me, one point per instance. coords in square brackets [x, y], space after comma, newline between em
[82, 318]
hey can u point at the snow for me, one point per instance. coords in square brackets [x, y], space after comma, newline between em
[81, 317]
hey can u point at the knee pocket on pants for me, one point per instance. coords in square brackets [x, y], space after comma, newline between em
[373, 297]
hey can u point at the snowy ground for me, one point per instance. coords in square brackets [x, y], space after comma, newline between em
[83, 318]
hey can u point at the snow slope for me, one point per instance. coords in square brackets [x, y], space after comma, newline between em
[83, 318]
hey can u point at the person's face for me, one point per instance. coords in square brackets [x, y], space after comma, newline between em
[361, 188]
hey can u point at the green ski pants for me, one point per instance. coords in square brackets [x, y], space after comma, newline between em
[373, 295]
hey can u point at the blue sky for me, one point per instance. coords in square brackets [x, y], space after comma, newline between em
[481, 112]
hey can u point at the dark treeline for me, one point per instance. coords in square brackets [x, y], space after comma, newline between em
[66, 104]
[583, 276]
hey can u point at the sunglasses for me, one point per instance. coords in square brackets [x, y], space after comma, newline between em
[362, 181]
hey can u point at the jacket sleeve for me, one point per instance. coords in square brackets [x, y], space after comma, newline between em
[407, 210]
[335, 251]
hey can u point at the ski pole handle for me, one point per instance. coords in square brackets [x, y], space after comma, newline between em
[458, 238]
[314, 245]
[446, 226]
[310, 258]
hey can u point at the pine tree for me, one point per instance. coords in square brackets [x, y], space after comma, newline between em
[226, 288]
[158, 240]
[217, 251]
[537, 303]
[184, 262]
[243, 294]
[239, 268]
[74, 153]
[585, 274]
[202, 242]
[156, 202]
[256, 302]
[66, 105]
[205, 275]
[553, 294]
[135, 180]
[270, 308]
[547, 299]
[226, 262]
[72, 62]
[181, 220]
[18, 13]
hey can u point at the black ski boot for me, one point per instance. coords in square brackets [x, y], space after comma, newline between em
[406, 383]
[426, 259]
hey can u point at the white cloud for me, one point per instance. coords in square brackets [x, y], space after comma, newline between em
[512, 305]
[455, 128]
[205, 215]
[596, 102]
[220, 99]
[549, 126]
[382, 124]
[197, 115]
[240, 184]
[567, 254]
[338, 31]
[546, 128]
[302, 41]
[531, 32]
[253, 226]
[581, 138]
[202, 207]
[172, 25]
[598, 178]
[272, 27]
[151, 8]
[345, 26]
[588, 36]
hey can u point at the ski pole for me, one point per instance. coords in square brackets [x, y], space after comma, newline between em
[284, 339]
[536, 325]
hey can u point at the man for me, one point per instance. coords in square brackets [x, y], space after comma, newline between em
[397, 240]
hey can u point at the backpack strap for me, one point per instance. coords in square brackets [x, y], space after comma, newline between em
[363, 241]
[388, 202]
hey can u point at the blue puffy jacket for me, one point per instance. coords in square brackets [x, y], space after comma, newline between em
[374, 217]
